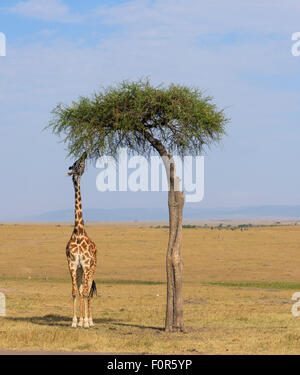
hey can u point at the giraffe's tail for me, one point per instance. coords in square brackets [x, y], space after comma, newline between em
[93, 289]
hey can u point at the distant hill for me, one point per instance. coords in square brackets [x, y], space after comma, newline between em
[161, 214]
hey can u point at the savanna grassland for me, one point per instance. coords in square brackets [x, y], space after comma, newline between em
[237, 290]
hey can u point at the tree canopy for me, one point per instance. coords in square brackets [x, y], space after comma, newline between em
[140, 117]
[136, 114]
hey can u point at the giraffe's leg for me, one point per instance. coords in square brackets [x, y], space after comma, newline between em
[86, 319]
[75, 295]
[74, 321]
[80, 287]
[85, 293]
[91, 323]
[91, 278]
[80, 324]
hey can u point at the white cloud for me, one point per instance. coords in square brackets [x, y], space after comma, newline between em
[192, 17]
[47, 32]
[45, 10]
[169, 18]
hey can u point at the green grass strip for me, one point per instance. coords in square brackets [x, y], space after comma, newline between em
[283, 285]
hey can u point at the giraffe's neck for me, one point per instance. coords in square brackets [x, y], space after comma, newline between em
[79, 223]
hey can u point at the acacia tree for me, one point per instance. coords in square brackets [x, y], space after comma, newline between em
[142, 118]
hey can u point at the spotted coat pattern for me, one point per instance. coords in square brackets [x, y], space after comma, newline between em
[81, 255]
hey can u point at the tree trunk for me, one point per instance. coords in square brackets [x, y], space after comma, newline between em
[174, 310]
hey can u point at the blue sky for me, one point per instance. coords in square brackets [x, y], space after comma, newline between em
[238, 52]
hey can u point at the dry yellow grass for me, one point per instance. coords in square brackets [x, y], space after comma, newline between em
[232, 318]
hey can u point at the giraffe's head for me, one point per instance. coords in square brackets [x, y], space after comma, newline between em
[77, 169]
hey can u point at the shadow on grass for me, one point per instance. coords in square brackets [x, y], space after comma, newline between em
[139, 326]
[65, 321]
[53, 320]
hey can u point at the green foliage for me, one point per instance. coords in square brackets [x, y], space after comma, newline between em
[180, 117]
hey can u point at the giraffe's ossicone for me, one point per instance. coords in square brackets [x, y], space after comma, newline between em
[81, 256]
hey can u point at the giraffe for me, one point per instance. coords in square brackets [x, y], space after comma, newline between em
[81, 255]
